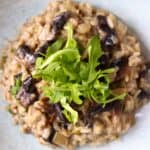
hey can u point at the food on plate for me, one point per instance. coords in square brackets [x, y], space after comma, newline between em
[75, 75]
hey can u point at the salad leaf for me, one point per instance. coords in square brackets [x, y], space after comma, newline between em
[71, 42]
[57, 45]
[68, 111]
[69, 78]
[66, 55]
[75, 94]
[53, 93]
[94, 52]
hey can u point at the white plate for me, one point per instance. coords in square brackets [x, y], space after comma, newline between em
[15, 12]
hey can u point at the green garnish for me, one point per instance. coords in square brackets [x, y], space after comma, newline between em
[8, 108]
[69, 78]
[55, 47]
[70, 114]
[16, 87]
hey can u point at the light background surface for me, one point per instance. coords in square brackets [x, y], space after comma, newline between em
[136, 13]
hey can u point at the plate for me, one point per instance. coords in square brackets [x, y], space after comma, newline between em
[13, 13]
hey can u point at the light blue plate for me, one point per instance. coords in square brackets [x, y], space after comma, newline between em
[135, 13]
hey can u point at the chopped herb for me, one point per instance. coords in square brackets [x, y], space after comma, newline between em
[57, 45]
[17, 84]
[69, 78]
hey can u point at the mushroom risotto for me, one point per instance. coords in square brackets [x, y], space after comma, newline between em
[75, 75]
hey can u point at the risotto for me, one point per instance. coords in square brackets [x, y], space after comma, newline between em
[75, 75]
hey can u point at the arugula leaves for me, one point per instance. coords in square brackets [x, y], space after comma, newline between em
[16, 87]
[71, 42]
[55, 47]
[68, 78]
[94, 52]
[68, 111]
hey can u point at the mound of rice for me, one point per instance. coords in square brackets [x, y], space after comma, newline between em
[96, 125]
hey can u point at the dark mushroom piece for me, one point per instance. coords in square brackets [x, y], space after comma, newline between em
[97, 108]
[104, 61]
[59, 22]
[53, 131]
[144, 83]
[123, 67]
[25, 54]
[103, 24]
[28, 92]
[143, 94]
[59, 112]
[42, 50]
[28, 84]
[26, 98]
[19, 75]
[120, 62]
[107, 34]
[63, 122]
[110, 41]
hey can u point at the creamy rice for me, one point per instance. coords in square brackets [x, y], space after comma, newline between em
[102, 126]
